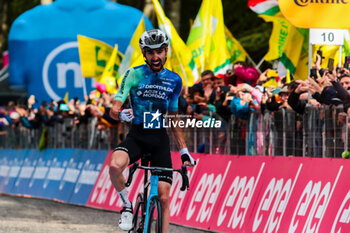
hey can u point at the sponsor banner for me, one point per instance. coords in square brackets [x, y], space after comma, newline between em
[11, 162]
[63, 174]
[4, 168]
[72, 165]
[316, 14]
[38, 182]
[103, 194]
[90, 164]
[215, 188]
[55, 160]
[251, 194]
[26, 172]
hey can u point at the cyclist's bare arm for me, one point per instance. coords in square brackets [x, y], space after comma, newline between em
[115, 109]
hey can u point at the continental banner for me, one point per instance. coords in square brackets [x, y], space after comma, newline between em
[317, 14]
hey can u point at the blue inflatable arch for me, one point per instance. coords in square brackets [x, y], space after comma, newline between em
[44, 58]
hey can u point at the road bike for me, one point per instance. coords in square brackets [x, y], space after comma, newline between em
[148, 210]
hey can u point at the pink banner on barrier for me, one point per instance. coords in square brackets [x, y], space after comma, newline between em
[252, 194]
[5, 58]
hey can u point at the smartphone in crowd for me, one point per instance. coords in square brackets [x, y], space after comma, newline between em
[319, 52]
[330, 65]
[313, 73]
[272, 73]
[347, 62]
[225, 88]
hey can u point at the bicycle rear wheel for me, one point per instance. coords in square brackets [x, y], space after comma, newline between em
[155, 216]
[139, 215]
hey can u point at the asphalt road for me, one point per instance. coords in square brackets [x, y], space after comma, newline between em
[31, 215]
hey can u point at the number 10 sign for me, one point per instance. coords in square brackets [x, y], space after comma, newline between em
[327, 36]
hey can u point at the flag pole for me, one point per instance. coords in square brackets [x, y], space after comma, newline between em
[257, 67]
[84, 87]
[260, 63]
[340, 55]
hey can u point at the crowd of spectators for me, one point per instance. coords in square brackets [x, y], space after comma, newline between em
[235, 94]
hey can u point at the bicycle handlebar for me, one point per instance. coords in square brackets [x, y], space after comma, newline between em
[182, 171]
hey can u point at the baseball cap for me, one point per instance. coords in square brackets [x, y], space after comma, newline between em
[219, 76]
[14, 115]
[283, 90]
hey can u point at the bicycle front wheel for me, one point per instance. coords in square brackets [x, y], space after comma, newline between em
[155, 216]
[139, 215]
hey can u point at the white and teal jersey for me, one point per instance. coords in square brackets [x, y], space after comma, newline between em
[149, 91]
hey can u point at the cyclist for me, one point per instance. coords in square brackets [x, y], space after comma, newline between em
[153, 90]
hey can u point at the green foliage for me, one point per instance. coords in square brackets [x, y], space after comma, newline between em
[139, 4]
[244, 24]
[250, 30]
[17, 7]
[14, 9]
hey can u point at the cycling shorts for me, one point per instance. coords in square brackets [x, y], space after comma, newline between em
[155, 142]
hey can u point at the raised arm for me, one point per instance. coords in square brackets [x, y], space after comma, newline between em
[123, 92]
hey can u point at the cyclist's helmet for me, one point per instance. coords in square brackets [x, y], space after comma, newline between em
[153, 39]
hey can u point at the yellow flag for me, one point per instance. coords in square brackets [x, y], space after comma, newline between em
[66, 96]
[207, 38]
[346, 46]
[113, 59]
[302, 69]
[285, 43]
[133, 55]
[271, 83]
[94, 55]
[236, 51]
[179, 54]
[328, 51]
[288, 78]
[278, 36]
[108, 76]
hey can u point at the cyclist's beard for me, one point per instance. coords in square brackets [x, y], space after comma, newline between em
[156, 66]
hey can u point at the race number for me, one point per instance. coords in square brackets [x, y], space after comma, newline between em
[327, 36]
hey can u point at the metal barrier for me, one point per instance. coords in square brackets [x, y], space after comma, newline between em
[320, 132]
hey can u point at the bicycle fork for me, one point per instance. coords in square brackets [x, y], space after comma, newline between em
[153, 192]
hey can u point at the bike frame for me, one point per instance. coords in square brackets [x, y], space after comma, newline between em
[153, 193]
[154, 184]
